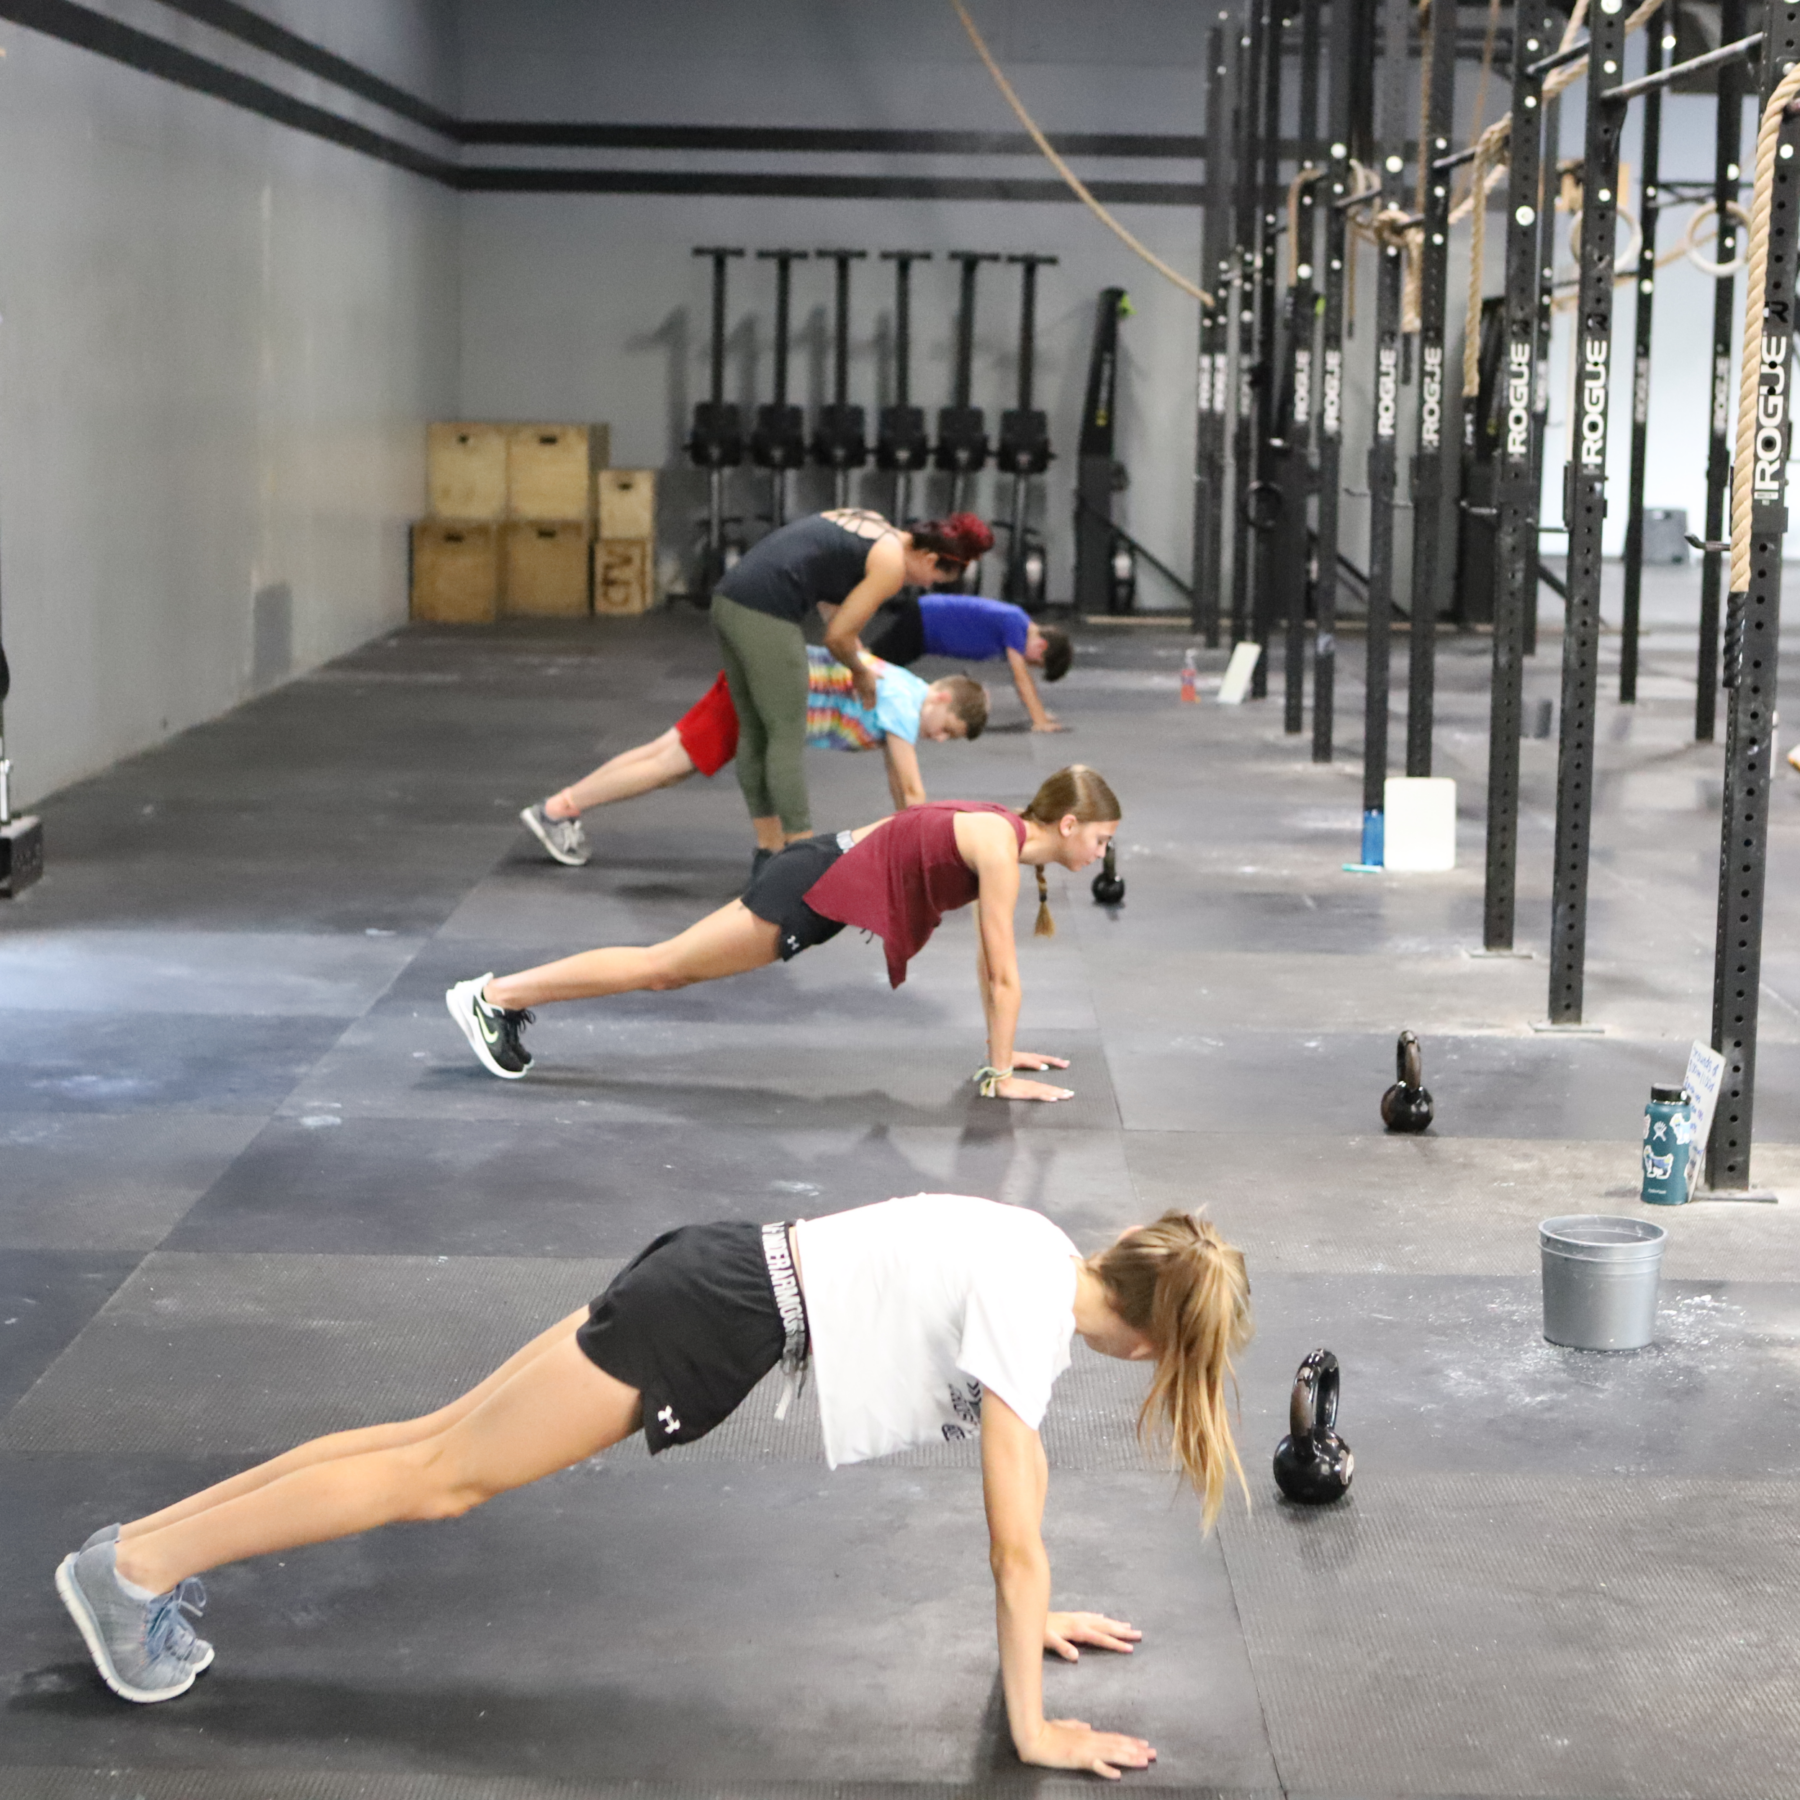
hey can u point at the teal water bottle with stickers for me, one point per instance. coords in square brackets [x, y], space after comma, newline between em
[1669, 1122]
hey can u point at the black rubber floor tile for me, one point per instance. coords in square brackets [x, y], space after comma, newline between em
[510, 1188]
[1453, 1373]
[96, 1181]
[46, 1298]
[133, 1062]
[716, 1624]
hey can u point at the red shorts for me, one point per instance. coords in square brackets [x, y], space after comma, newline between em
[709, 729]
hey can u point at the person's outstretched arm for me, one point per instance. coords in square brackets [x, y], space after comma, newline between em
[989, 847]
[1014, 1479]
[883, 577]
[1028, 694]
[905, 782]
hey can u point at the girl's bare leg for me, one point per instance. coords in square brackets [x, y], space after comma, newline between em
[355, 1443]
[660, 763]
[727, 942]
[559, 1409]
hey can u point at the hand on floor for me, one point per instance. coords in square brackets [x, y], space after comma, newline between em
[1035, 1059]
[1015, 1087]
[1063, 1631]
[1075, 1744]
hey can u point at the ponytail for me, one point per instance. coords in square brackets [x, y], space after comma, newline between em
[1186, 1289]
[961, 539]
[1075, 790]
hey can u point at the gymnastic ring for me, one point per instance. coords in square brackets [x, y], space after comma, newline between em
[1622, 265]
[1690, 243]
[1251, 495]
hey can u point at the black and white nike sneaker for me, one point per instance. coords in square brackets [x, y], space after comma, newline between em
[494, 1034]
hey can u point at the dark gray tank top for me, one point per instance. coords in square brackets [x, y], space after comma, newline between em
[787, 573]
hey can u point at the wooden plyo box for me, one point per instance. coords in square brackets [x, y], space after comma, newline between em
[626, 502]
[456, 571]
[549, 472]
[546, 568]
[465, 471]
[624, 575]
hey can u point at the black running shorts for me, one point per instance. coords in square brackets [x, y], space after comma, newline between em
[897, 632]
[691, 1323]
[777, 892]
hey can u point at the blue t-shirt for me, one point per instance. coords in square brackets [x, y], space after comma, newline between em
[971, 628]
[837, 720]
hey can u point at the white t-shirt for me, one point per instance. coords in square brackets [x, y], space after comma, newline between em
[916, 1305]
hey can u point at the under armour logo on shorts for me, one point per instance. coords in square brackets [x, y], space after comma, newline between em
[668, 1421]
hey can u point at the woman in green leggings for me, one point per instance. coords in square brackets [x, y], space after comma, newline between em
[851, 560]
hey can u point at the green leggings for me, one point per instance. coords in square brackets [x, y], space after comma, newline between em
[765, 663]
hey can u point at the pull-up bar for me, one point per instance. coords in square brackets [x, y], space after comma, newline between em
[1557, 59]
[1648, 83]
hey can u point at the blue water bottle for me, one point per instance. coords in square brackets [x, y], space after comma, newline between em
[1669, 1122]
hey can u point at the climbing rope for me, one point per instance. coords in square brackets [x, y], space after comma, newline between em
[1076, 185]
[1762, 201]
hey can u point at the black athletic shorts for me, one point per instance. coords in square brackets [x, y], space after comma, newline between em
[777, 892]
[691, 1323]
[897, 632]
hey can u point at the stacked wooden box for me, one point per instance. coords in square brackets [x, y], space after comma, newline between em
[511, 522]
[625, 550]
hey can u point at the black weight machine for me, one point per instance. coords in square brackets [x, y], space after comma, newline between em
[902, 445]
[1024, 451]
[840, 442]
[962, 440]
[716, 442]
[778, 442]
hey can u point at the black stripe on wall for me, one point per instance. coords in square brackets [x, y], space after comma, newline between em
[821, 140]
[138, 50]
[252, 28]
[88, 30]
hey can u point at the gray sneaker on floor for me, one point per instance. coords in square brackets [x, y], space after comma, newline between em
[131, 1641]
[193, 1649]
[563, 838]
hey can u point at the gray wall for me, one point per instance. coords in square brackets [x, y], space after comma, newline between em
[594, 307]
[221, 339]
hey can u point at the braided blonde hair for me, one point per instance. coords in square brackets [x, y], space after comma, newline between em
[1077, 790]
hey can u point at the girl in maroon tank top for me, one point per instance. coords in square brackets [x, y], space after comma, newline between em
[896, 879]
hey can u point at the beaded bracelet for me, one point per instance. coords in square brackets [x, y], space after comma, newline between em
[989, 1079]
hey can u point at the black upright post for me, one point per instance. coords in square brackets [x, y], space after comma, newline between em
[1584, 509]
[1430, 459]
[1024, 448]
[1384, 441]
[1244, 231]
[1344, 17]
[839, 443]
[1752, 647]
[1515, 580]
[1654, 46]
[1212, 363]
[778, 441]
[1546, 311]
[716, 442]
[962, 446]
[1268, 319]
[1728, 133]
[901, 442]
[1291, 439]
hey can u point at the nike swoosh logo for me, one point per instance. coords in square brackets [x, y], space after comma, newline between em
[487, 1031]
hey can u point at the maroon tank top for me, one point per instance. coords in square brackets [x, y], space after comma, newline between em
[901, 879]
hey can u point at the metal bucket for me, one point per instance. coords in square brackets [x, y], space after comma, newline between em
[1600, 1280]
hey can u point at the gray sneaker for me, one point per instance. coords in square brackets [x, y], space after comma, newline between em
[193, 1650]
[131, 1641]
[563, 838]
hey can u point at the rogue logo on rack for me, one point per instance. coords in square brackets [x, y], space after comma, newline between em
[1431, 396]
[1518, 400]
[1302, 385]
[1387, 389]
[1771, 418]
[1331, 393]
[1594, 352]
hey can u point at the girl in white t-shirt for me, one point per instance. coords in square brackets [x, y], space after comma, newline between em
[934, 1317]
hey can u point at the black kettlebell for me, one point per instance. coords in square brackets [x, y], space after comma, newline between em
[1312, 1463]
[1109, 884]
[1406, 1106]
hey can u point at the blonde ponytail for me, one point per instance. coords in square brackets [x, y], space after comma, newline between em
[1186, 1289]
[1076, 790]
